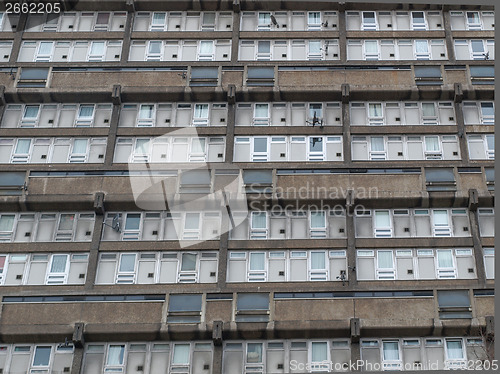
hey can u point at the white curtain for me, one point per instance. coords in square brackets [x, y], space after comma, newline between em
[319, 351]
[431, 143]
[318, 260]
[7, 222]
[192, 221]
[264, 18]
[391, 351]
[382, 219]
[206, 47]
[428, 110]
[80, 146]
[421, 46]
[384, 259]
[97, 49]
[45, 48]
[154, 47]
[445, 258]
[181, 354]
[315, 108]
[371, 47]
[472, 17]
[209, 18]
[142, 146]
[198, 145]
[257, 261]
[259, 220]
[254, 353]
[440, 218]
[314, 46]
[58, 263]
[313, 18]
[86, 111]
[377, 143]
[261, 110]
[159, 18]
[201, 111]
[375, 110]
[146, 111]
[115, 355]
[454, 348]
[264, 47]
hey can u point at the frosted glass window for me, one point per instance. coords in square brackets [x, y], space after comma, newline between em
[477, 46]
[432, 144]
[315, 144]
[440, 218]
[42, 356]
[473, 17]
[487, 109]
[490, 140]
[115, 355]
[192, 221]
[58, 263]
[418, 17]
[198, 145]
[259, 220]
[315, 46]
[146, 111]
[257, 261]
[445, 259]
[181, 354]
[254, 353]
[158, 18]
[375, 110]
[206, 47]
[377, 143]
[371, 47]
[80, 146]
[97, 49]
[201, 111]
[391, 351]
[454, 348]
[31, 111]
[23, 146]
[260, 145]
[45, 48]
[261, 110]
[421, 46]
[86, 111]
[127, 262]
[66, 222]
[384, 259]
[428, 110]
[133, 221]
[319, 351]
[102, 18]
[188, 262]
[154, 47]
[7, 222]
[318, 220]
[317, 260]
[369, 18]
[264, 47]
[209, 18]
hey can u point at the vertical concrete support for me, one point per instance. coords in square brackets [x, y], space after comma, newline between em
[450, 48]
[79, 343]
[113, 126]
[342, 33]
[459, 118]
[96, 239]
[231, 117]
[16, 46]
[128, 30]
[236, 31]
[351, 239]
[355, 324]
[476, 239]
[346, 124]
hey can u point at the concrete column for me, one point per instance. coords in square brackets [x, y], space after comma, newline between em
[16, 46]
[476, 238]
[96, 240]
[450, 47]
[113, 125]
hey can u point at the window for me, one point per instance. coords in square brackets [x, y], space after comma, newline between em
[204, 76]
[33, 77]
[368, 21]
[115, 358]
[455, 356]
[481, 147]
[454, 304]
[257, 181]
[391, 359]
[252, 307]
[442, 179]
[490, 178]
[260, 76]
[481, 75]
[184, 308]
[195, 181]
[489, 262]
[428, 75]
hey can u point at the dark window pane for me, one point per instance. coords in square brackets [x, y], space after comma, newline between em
[184, 303]
[253, 301]
[260, 72]
[34, 73]
[204, 72]
[427, 72]
[482, 71]
[490, 174]
[201, 177]
[439, 175]
[453, 299]
[257, 176]
[10, 179]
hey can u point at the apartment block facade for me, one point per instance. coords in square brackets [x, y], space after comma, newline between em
[249, 187]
